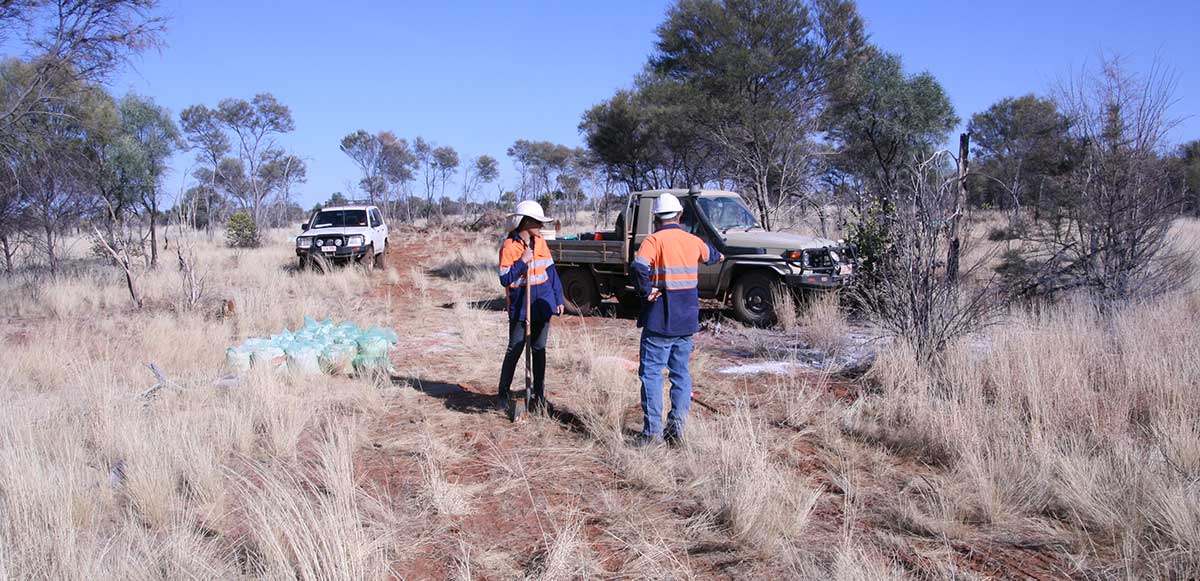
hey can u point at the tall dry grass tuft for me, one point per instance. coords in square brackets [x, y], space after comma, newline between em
[823, 324]
[756, 498]
[1071, 415]
[439, 495]
[567, 554]
[97, 481]
[602, 383]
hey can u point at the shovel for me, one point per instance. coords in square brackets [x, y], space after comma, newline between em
[516, 405]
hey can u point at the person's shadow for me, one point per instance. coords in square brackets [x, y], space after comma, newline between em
[454, 396]
[458, 398]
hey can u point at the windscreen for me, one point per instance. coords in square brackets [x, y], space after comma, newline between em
[725, 213]
[339, 219]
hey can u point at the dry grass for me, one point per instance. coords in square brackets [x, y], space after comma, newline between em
[96, 482]
[1063, 419]
[757, 499]
[1061, 429]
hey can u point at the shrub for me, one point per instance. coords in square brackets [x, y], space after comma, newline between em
[241, 231]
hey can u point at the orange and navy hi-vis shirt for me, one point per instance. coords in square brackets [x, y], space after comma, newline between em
[669, 260]
[543, 279]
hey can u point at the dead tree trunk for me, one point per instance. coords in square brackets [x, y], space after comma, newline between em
[123, 260]
[9, 253]
[960, 202]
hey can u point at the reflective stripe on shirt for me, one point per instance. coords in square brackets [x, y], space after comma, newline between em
[676, 270]
[675, 284]
[537, 279]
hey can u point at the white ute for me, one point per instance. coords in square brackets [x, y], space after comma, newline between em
[344, 233]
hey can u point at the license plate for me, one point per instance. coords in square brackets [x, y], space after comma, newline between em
[328, 248]
[845, 270]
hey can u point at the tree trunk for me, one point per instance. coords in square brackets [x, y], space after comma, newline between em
[9, 251]
[952, 254]
[50, 246]
[152, 208]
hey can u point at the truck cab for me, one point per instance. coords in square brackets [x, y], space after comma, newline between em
[758, 264]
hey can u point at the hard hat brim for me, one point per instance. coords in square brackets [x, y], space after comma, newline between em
[542, 219]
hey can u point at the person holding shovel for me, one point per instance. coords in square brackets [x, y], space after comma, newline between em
[534, 294]
[666, 271]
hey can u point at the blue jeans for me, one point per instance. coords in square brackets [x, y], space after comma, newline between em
[658, 351]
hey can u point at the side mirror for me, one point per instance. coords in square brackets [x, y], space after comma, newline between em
[304, 226]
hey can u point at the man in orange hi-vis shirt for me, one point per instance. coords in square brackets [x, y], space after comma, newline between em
[666, 273]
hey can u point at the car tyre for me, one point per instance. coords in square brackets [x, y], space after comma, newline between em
[753, 298]
[630, 300]
[368, 258]
[580, 295]
[379, 259]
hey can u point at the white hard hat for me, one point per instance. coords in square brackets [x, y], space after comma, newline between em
[667, 204]
[531, 209]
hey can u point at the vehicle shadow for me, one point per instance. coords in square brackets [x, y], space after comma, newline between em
[459, 269]
[320, 267]
[460, 399]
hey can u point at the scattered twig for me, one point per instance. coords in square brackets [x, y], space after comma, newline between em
[163, 381]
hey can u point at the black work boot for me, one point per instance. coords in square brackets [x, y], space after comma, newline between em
[644, 441]
[673, 439]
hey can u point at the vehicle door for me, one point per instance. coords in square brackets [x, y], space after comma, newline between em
[378, 229]
[710, 274]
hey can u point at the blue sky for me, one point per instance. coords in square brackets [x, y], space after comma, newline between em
[478, 75]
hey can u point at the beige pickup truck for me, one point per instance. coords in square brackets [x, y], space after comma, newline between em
[757, 263]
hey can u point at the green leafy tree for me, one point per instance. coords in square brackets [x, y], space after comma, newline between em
[150, 137]
[1020, 145]
[204, 134]
[368, 153]
[882, 119]
[882, 122]
[542, 166]
[55, 169]
[281, 172]
[398, 170]
[764, 68]
[445, 163]
[337, 199]
[648, 137]
[69, 44]
[1189, 162]
[246, 163]
[479, 171]
[241, 231]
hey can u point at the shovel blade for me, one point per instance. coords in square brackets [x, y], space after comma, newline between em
[516, 409]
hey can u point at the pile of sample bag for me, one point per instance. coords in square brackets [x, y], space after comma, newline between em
[318, 347]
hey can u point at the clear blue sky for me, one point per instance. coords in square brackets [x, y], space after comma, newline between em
[478, 75]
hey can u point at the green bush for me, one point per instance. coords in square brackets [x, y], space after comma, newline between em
[241, 231]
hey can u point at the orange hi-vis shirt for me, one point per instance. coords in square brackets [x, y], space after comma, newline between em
[543, 278]
[673, 257]
[669, 260]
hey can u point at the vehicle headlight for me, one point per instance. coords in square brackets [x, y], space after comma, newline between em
[304, 242]
[356, 240]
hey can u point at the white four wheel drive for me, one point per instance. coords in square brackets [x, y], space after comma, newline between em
[335, 233]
